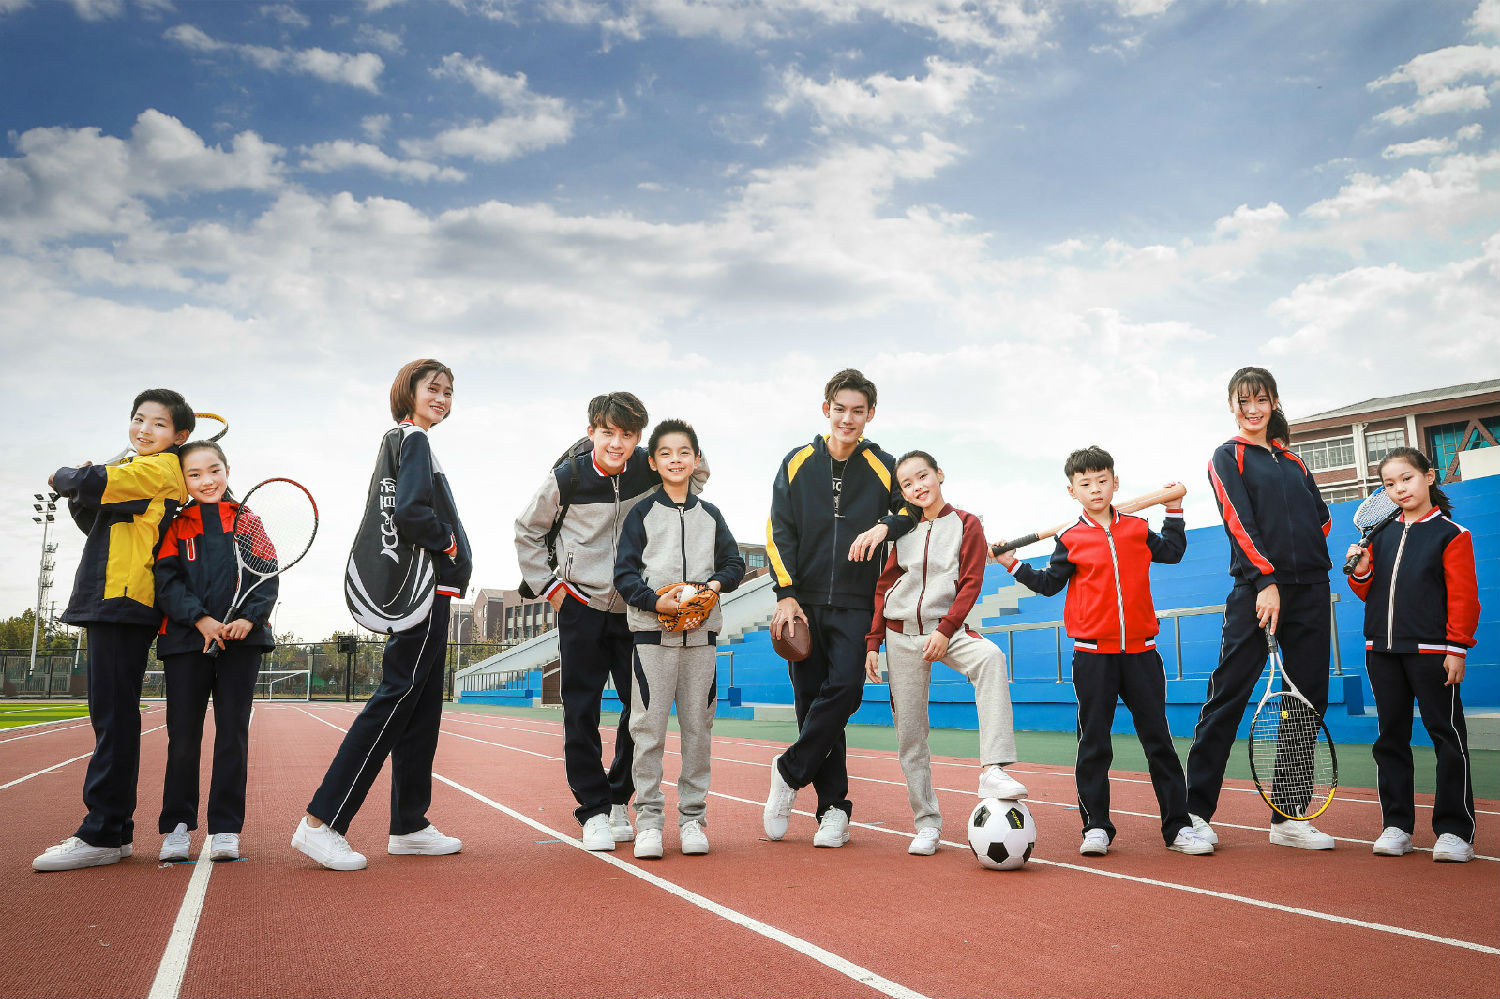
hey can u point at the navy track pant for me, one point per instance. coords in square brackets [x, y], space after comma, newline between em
[1397, 680]
[117, 666]
[400, 720]
[191, 679]
[594, 646]
[827, 688]
[1303, 631]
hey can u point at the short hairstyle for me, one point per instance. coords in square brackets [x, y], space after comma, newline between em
[621, 409]
[931, 461]
[177, 407]
[671, 426]
[850, 378]
[404, 388]
[191, 446]
[1088, 459]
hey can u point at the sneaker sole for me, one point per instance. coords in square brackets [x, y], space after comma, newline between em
[1193, 851]
[173, 858]
[1390, 852]
[1093, 851]
[407, 851]
[221, 857]
[1299, 846]
[36, 865]
[306, 849]
[1449, 858]
[830, 846]
[694, 851]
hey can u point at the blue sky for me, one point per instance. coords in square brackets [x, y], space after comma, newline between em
[1036, 225]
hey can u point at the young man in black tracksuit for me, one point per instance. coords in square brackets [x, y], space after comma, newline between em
[833, 503]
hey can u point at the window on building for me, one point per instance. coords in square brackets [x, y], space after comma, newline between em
[1341, 494]
[755, 560]
[1383, 442]
[1447, 440]
[1320, 456]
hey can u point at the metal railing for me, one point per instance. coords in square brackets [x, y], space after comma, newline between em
[1175, 615]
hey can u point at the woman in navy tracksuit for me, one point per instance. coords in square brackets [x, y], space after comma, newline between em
[402, 717]
[195, 583]
[1278, 555]
[1421, 608]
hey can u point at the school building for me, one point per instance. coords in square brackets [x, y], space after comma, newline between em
[1454, 426]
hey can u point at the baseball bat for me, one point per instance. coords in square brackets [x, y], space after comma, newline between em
[1167, 495]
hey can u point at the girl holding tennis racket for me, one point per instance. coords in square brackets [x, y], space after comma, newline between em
[195, 583]
[1278, 556]
[1421, 597]
[402, 717]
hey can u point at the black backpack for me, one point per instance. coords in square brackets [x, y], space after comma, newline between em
[388, 584]
[573, 458]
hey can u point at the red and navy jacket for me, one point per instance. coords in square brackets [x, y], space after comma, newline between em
[195, 577]
[1420, 590]
[932, 579]
[1108, 575]
[1273, 513]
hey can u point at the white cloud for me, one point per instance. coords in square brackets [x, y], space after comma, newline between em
[375, 125]
[1252, 222]
[1449, 182]
[325, 157]
[1440, 69]
[1469, 132]
[1486, 18]
[285, 13]
[379, 38]
[72, 180]
[361, 70]
[531, 121]
[1448, 101]
[881, 100]
[1421, 147]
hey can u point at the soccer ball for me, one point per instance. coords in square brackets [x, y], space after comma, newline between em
[1002, 834]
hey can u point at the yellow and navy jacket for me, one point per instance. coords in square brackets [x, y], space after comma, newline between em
[808, 546]
[1273, 513]
[195, 577]
[122, 508]
[1421, 591]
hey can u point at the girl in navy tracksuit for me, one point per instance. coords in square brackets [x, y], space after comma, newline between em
[1421, 599]
[1278, 555]
[195, 582]
[402, 717]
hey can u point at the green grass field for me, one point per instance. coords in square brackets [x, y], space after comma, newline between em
[1356, 768]
[33, 712]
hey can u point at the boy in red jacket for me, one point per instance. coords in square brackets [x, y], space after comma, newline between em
[1105, 562]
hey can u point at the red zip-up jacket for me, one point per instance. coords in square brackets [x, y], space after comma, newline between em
[1108, 575]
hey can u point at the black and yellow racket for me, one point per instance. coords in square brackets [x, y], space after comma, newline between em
[1292, 757]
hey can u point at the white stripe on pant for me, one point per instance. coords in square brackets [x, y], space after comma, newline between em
[910, 676]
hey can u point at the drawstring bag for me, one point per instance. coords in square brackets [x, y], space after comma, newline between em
[388, 584]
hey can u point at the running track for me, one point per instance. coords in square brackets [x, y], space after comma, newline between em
[523, 911]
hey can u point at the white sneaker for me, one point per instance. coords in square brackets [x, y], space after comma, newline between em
[177, 844]
[1301, 834]
[1449, 849]
[619, 824]
[73, 853]
[833, 829]
[925, 842]
[647, 844]
[596, 835]
[1392, 842]
[424, 842]
[1095, 843]
[126, 851]
[996, 783]
[1204, 830]
[1191, 843]
[224, 846]
[694, 840]
[778, 804]
[327, 847]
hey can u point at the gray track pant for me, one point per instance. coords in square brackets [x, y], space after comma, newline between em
[983, 663]
[664, 674]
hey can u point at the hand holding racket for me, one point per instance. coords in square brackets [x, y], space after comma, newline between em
[1373, 514]
[1168, 494]
[1292, 758]
[273, 529]
[214, 420]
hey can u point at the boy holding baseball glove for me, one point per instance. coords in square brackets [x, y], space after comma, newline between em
[676, 556]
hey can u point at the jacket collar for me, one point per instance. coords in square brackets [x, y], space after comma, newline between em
[1087, 521]
[660, 496]
[863, 444]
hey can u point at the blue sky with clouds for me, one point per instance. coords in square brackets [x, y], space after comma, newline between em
[1036, 225]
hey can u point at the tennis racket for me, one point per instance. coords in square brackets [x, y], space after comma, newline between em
[273, 529]
[1292, 758]
[1168, 495]
[215, 422]
[1374, 513]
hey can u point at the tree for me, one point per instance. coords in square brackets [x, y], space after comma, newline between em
[15, 633]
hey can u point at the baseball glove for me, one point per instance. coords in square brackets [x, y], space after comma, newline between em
[695, 602]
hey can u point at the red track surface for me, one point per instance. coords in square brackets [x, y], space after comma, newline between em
[518, 913]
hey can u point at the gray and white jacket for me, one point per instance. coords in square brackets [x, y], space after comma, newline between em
[588, 540]
[663, 543]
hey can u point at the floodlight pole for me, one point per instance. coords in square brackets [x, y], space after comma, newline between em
[46, 509]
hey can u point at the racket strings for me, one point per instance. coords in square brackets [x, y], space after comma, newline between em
[1373, 510]
[1291, 758]
[274, 527]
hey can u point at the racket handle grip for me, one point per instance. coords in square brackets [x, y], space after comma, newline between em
[1353, 560]
[1000, 547]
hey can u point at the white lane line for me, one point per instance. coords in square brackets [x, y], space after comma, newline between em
[828, 959]
[33, 735]
[174, 960]
[1191, 889]
[58, 766]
